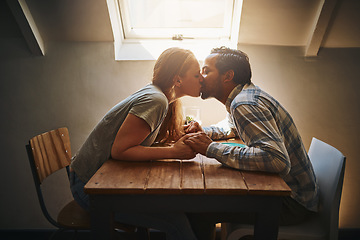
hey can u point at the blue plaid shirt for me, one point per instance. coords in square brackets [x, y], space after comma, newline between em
[273, 142]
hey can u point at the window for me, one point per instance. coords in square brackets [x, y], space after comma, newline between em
[144, 28]
[176, 19]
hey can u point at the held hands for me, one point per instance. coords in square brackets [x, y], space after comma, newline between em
[193, 127]
[193, 142]
[196, 138]
[182, 150]
[198, 141]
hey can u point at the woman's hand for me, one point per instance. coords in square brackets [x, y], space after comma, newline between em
[182, 150]
[199, 142]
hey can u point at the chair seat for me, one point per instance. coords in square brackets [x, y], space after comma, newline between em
[74, 216]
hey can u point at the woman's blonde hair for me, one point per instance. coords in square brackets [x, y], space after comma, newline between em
[171, 63]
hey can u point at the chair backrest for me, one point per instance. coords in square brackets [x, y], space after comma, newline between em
[48, 152]
[329, 167]
[51, 151]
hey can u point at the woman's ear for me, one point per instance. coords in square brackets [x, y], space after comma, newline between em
[177, 81]
[229, 75]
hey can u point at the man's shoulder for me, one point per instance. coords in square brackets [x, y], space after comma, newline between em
[254, 95]
[248, 95]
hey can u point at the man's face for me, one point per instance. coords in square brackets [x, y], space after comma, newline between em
[211, 83]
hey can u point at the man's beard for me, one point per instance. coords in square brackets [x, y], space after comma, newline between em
[204, 92]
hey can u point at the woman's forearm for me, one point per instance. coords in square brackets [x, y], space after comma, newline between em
[178, 150]
[141, 153]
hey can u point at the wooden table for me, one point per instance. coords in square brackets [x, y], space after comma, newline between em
[197, 185]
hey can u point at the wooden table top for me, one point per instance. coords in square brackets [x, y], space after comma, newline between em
[198, 176]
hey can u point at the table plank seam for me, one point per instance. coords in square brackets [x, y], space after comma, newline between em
[181, 176]
[203, 172]
[247, 187]
[147, 177]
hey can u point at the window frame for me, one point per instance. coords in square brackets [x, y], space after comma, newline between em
[150, 49]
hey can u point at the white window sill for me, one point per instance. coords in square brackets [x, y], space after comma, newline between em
[129, 50]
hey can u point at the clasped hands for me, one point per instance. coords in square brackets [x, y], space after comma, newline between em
[195, 138]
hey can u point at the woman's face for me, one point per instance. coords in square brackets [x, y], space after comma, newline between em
[190, 82]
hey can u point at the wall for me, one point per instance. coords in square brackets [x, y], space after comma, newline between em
[75, 84]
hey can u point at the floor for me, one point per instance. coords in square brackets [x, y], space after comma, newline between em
[83, 235]
[344, 234]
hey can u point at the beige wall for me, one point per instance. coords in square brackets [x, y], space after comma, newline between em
[76, 83]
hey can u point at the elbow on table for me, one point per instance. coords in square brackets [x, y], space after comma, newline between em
[281, 166]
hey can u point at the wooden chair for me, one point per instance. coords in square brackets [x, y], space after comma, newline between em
[329, 167]
[48, 153]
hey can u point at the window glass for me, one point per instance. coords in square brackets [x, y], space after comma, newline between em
[169, 18]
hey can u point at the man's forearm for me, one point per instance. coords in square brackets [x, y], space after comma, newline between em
[218, 133]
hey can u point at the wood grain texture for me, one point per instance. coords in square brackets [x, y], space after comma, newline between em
[223, 180]
[192, 176]
[265, 184]
[120, 177]
[51, 151]
[164, 177]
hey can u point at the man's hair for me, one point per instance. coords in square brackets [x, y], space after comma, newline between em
[236, 60]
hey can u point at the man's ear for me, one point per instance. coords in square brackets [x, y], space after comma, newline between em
[229, 75]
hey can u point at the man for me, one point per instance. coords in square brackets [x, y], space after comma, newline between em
[273, 143]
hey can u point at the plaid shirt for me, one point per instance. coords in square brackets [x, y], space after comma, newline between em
[273, 142]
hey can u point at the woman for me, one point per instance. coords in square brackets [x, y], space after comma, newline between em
[129, 129]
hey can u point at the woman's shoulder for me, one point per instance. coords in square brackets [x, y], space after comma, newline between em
[154, 93]
[152, 88]
[149, 101]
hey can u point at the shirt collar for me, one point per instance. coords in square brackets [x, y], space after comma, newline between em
[232, 95]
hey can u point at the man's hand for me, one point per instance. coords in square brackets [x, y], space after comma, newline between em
[199, 142]
[193, 127]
